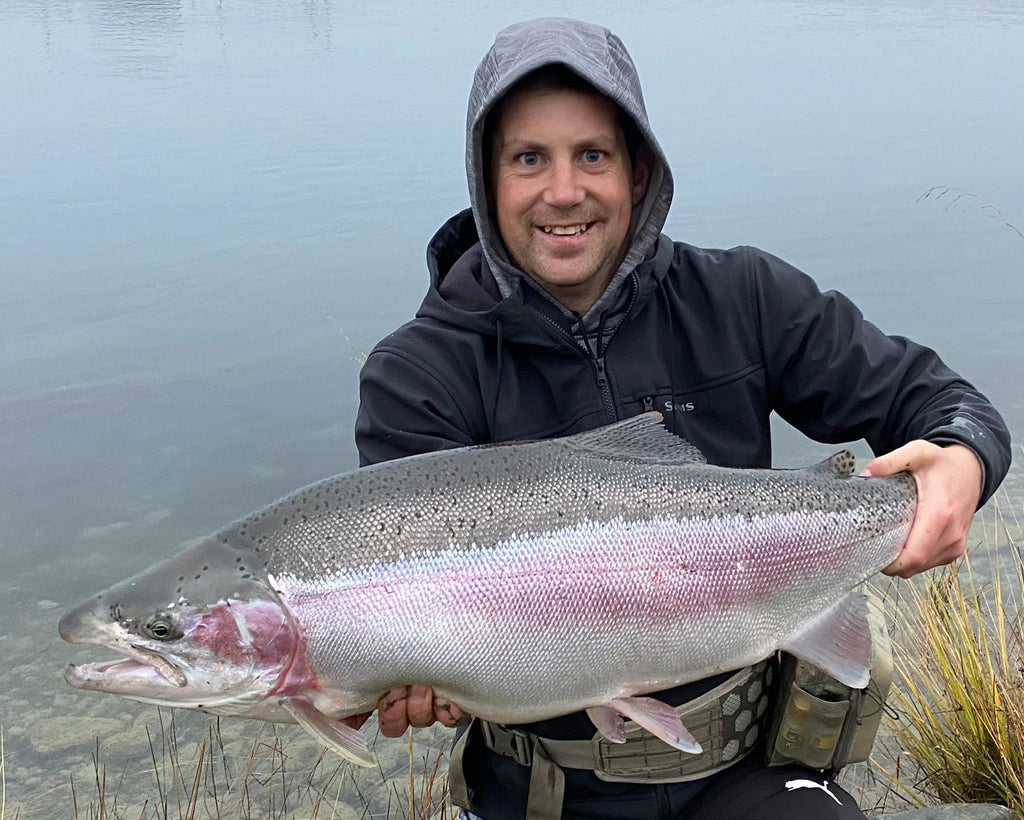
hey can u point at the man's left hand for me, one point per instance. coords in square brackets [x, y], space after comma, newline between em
[948, 489]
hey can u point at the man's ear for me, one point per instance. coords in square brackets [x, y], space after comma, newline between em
[643, 166]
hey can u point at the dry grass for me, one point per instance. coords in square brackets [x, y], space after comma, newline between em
[200, 773]
[3, 781]
[966, 201]
[959, 687]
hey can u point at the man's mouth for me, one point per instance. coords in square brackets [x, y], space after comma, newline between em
[566, 230]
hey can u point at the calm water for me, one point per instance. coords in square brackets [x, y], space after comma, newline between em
[209, 210]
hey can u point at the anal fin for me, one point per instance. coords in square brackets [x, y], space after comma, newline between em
[659, 719]
[838, 641]
[346, 741]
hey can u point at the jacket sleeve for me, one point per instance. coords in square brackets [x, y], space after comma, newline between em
[837, 377]
[404, 408]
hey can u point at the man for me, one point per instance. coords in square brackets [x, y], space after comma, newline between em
[556, 306]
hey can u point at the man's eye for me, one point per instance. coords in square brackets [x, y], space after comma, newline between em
[529, 158]
[593, 155]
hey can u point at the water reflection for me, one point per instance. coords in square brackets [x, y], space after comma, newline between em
[137, 36]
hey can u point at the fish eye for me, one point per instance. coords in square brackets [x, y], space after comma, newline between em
[161, 627]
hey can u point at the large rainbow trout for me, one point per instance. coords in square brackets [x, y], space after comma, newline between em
[521, 581]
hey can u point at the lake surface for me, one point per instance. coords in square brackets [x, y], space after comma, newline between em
[210, 210]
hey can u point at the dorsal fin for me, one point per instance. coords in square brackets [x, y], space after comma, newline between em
[838, 465]
[641, 438]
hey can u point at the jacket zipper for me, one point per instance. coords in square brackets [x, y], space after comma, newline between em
[605, 388]
[598, 361]
[602, 377]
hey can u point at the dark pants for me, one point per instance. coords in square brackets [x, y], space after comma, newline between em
[746, 791]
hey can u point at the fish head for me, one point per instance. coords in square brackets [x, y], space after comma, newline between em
[199, 630]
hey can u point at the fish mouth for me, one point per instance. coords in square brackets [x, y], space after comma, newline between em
[141, 666]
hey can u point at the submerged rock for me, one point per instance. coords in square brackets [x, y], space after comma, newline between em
[58, 734]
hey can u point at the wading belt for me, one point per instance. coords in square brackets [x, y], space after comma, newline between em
[727, 721]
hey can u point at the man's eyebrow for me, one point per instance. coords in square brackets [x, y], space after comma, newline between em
[590, 141]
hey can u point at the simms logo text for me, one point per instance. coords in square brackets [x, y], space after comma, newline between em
[674, 406]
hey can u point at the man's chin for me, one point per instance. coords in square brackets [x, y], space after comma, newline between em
[576, 289]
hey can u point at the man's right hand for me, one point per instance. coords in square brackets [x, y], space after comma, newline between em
[415, 706]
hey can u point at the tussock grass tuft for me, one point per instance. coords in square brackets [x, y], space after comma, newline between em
[960, 675]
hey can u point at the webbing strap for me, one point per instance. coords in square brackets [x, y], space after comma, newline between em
[547, 786]
[458, 791]
[547, 780]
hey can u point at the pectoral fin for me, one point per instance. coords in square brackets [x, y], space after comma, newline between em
[345, 740]
[659, 719]
[838, 642]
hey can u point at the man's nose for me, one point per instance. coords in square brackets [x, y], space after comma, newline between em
[564, 188]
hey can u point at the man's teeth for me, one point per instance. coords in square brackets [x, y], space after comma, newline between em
[565, 230]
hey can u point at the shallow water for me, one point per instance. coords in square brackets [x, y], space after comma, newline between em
[209, 211]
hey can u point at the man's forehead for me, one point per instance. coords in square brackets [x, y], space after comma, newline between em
[526, 112]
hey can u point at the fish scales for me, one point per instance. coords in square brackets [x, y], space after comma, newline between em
[529, 580]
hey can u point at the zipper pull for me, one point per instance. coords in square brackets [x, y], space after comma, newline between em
[648, 403]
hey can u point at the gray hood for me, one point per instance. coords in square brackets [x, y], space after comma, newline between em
[600, 58]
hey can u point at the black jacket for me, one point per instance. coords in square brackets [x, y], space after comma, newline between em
[713, 339]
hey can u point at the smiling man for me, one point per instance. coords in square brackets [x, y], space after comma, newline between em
[556, 305]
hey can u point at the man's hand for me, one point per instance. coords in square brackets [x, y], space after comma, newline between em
[948, 488]
[415, 706]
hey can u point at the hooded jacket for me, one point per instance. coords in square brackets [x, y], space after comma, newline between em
[713, 339]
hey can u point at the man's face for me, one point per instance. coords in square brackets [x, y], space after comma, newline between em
[564, 190]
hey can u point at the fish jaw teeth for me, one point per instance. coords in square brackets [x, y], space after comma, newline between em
[566, 230]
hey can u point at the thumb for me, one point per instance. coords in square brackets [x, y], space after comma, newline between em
[898, 460]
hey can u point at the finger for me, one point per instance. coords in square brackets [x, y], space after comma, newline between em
[392, 714]
[421, 706]
[902, 459]
[449, 714]
[923, 532]
[934, 540]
